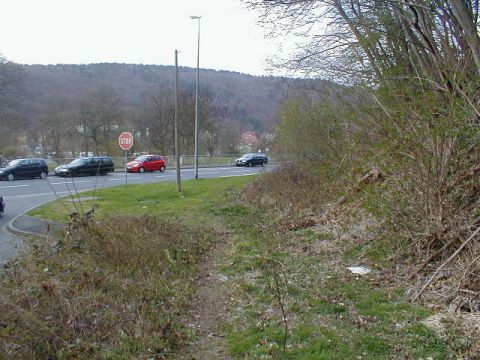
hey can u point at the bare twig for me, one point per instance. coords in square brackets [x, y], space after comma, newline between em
[440, 268]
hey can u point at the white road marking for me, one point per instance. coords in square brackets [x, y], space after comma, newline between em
[38, 194]
[212, 168]
[13, 186]
[240, 170]
[232, 168]
[71, 182]
[123, 174]
[109, 179]
[239, 175]
[120, 179]
[204, 173]
[245, 171]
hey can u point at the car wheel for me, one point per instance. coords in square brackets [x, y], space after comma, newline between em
[162, 169]
[250, 164]
[141, 170]
[10, 177]
[43, 175]
[263, 163]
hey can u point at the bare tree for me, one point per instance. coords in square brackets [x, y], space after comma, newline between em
[158, 118]
[101, 116]
[378, 41]
[52, 128]
[229, 136]
[11, 83]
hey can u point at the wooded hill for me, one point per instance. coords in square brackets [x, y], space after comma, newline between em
[88, 104]
[251, 100]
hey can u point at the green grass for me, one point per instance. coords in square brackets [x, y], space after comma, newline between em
[116, 290]
[331, 313]
[196, 202]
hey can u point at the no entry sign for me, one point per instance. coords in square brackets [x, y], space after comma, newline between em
[125, 140]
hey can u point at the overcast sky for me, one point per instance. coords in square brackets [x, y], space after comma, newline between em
[134, 31]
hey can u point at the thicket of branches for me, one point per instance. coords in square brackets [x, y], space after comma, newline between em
[415, 114]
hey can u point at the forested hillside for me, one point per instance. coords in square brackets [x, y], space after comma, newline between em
[59, 109]
[247, 97]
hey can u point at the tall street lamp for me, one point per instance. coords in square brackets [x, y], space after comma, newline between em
[196, 96]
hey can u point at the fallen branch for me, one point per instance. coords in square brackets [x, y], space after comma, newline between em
[372, 176]
[476, 223]
[432, 257]
[440, 268]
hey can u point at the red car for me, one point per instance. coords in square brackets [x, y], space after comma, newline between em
[147, 163]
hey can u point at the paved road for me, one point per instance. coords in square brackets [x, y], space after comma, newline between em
[22, 195]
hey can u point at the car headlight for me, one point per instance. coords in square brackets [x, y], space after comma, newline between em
[1, 171]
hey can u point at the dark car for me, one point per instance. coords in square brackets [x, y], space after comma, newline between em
[24, 169]
[91, 165]
[147, 163]
[252, 160]
[2, 206]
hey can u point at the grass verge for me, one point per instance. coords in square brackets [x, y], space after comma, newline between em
[148, 199]
[297, 300]
[116, 288]
[292, 295]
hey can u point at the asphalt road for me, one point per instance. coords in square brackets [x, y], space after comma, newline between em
[23, 195]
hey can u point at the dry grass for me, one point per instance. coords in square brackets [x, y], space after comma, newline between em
[109, 290]
[388, 225]
[461, 330]
[291, 190]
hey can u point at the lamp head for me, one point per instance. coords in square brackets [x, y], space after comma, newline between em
[195, 17]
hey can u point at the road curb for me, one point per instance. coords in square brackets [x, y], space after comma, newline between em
[13, 230]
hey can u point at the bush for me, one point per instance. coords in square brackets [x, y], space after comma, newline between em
[422, 145]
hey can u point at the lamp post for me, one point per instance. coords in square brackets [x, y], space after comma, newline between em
[196, 97]
[177, 154]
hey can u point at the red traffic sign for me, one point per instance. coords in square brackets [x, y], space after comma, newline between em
[125, 140]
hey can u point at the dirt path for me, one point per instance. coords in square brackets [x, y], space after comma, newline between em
[209, 309]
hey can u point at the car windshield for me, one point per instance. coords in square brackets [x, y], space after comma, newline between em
[142, 158]
[14, 162]
[78, 161]
[247, 156]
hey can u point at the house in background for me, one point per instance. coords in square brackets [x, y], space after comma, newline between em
[249, 141]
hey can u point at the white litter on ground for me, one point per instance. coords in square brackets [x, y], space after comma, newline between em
[360, 270]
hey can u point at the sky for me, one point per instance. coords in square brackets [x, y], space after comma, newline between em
[135, 31]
